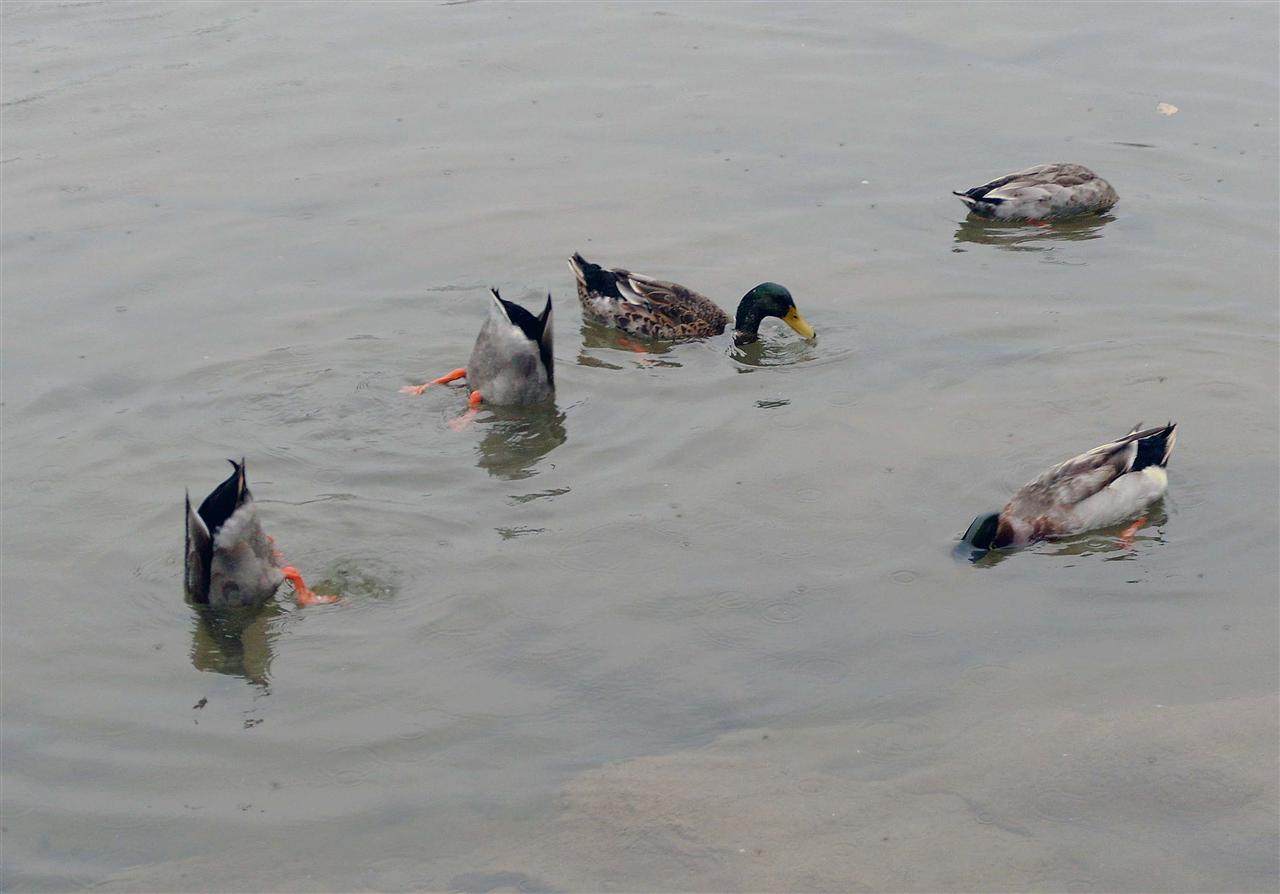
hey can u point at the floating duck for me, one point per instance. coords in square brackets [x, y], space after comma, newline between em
[651, 308]
[1045, 192]
[511, 363]
[230, 562]
[1110, 484]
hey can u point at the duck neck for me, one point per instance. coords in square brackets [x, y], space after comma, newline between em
[746, 327]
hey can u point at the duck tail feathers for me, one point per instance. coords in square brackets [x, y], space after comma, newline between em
[1155, 446]
[976, 196]
[579, 265]
[593, 278]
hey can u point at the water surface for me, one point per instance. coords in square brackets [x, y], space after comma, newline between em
[699, 627]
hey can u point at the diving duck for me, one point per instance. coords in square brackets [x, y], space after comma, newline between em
[511, 363]
[1045, 192]
[1103, 487]
[230, 562]
[651, 308]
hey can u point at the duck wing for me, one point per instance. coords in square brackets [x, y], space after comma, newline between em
[1043, 188]
[662, 300]
[199, 556]
[667, 298]
[1083, 476]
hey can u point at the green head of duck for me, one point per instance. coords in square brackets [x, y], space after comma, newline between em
[980, 537]
[767, 300]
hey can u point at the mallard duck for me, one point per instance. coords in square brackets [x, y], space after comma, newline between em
[511, 363]
[651, 308]
[1107, 485]
[1045, 192]
[230, 562]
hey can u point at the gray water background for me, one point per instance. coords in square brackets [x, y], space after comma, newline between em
[699, 629]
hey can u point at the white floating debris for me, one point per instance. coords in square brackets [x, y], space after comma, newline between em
[1166, 108]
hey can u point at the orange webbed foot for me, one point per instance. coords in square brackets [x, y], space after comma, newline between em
[465, 421]
[1126, 536]
[628, 344]
[458, 373]
[303, 593]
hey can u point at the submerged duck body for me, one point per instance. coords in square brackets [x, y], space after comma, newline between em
[1044, 192]
[230, 562]
[512, 361]
[1107, 485]
[653, 308]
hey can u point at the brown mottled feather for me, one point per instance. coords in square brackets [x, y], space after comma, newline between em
[644, 306]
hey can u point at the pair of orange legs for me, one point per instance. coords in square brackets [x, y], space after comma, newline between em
[473, 402]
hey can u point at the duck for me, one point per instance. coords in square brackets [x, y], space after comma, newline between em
[512, 363]
[1109, 484]
[1044, 192]
[230, 561]
[653, 308]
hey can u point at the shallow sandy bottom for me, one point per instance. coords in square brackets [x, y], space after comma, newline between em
[1029, 799]
[236, 229]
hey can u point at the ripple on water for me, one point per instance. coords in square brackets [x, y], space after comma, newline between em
[597, 557]
[463, 615]
[885, 742]
[782, 612]
[725, 635]
[828, 668]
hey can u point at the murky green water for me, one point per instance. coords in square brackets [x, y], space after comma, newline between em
[701, 628]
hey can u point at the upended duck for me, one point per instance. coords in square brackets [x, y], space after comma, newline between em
[1045, 192]
[511, 363]
[652, 308]
[230, 562]
[1108, 485]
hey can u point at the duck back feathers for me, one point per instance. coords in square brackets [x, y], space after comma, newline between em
[1042, 192]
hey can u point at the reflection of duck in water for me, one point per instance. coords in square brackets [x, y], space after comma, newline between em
[236, 642]
[517, 438]
[511, 363]
[1015, 235]
[652, 308]
[230, 562]
[1108, 485]
[1044, 192]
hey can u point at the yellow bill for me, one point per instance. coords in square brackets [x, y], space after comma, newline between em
[796, 322]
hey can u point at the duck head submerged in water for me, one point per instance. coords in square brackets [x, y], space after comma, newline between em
[230, 562]
[1044, 192]
[1109, 484]
[512, 363]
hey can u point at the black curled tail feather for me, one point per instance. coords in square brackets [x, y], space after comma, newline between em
[595, 278]
[978, 194]
[531, 326]
[1155, 446]
[225, 499]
